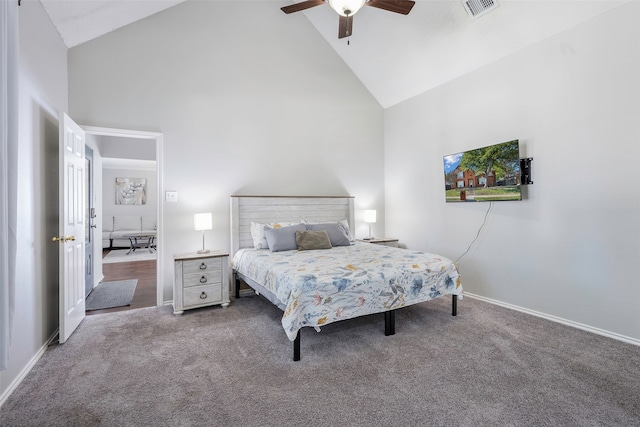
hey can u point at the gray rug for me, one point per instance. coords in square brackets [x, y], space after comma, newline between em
[111, 294]
[215, 366]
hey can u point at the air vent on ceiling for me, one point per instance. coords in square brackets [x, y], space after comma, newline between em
[476, 8]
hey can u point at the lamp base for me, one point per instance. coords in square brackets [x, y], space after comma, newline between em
[203, 251]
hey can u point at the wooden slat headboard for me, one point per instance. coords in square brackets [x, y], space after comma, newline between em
[267, 209]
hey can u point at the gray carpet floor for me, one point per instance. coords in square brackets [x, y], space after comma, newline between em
[489, 366]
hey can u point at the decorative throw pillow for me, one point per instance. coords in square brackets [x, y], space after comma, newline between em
[282, 239]
[336, 233]
[311, 240]
[345, 226]
[257, 232]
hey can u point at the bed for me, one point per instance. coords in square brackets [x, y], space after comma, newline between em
[314, 288]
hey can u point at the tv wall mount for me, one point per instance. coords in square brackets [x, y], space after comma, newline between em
[525, 171]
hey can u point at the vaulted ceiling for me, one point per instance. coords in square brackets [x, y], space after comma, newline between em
[395, 56]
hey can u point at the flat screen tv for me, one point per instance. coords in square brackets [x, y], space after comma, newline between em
[485, 174]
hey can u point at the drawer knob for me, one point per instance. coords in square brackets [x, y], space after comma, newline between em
[203, 266]
[203, 279]
[203, 295]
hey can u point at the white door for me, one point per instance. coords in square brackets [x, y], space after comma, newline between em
[71, 232]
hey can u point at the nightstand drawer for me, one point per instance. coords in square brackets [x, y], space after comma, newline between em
[204, 278]
[198, 295]
[201, 265]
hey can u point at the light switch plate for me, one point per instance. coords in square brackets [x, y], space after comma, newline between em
[171, 196]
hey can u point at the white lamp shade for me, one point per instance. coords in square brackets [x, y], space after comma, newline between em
[370, 215]
[202, 221]
[342, 6]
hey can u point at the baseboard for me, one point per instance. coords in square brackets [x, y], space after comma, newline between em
[25, 371]
[556, 319]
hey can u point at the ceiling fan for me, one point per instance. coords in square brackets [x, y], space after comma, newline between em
[347, 8]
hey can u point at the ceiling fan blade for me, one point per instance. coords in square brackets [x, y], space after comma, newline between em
[397, 6]
[301, 6]
[345, 26]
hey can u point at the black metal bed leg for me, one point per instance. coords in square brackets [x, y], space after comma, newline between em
[454, 305]
[296, 348]
[389, 322]
[237, 281]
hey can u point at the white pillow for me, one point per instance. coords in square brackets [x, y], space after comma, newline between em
[257, 232]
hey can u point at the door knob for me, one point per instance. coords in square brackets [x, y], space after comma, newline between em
[63, 239]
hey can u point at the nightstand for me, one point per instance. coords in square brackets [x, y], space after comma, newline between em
[381, 241]
[200, 280]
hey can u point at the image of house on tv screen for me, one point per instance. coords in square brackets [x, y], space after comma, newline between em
[484, 175]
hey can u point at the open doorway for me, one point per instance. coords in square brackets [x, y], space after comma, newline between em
[137, 157]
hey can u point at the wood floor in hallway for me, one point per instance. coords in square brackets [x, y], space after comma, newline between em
[144, 271]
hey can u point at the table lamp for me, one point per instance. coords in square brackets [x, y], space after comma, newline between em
[369, 217]
[202, 221]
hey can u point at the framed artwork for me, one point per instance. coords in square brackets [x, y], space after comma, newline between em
[131, 191]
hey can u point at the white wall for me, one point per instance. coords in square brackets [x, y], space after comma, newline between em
[571, 248]
[109, 207]
[42, 96]
[127, 148]
[249, 102]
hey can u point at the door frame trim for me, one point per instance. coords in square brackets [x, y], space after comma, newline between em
[89, 192]
[157, 137]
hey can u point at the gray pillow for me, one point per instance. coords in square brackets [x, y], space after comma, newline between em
[336, 233]
[284, 238]
[311, 240]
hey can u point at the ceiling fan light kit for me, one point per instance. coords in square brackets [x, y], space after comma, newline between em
[347, 8]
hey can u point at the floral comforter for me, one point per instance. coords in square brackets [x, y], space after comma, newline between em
[323, 286]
